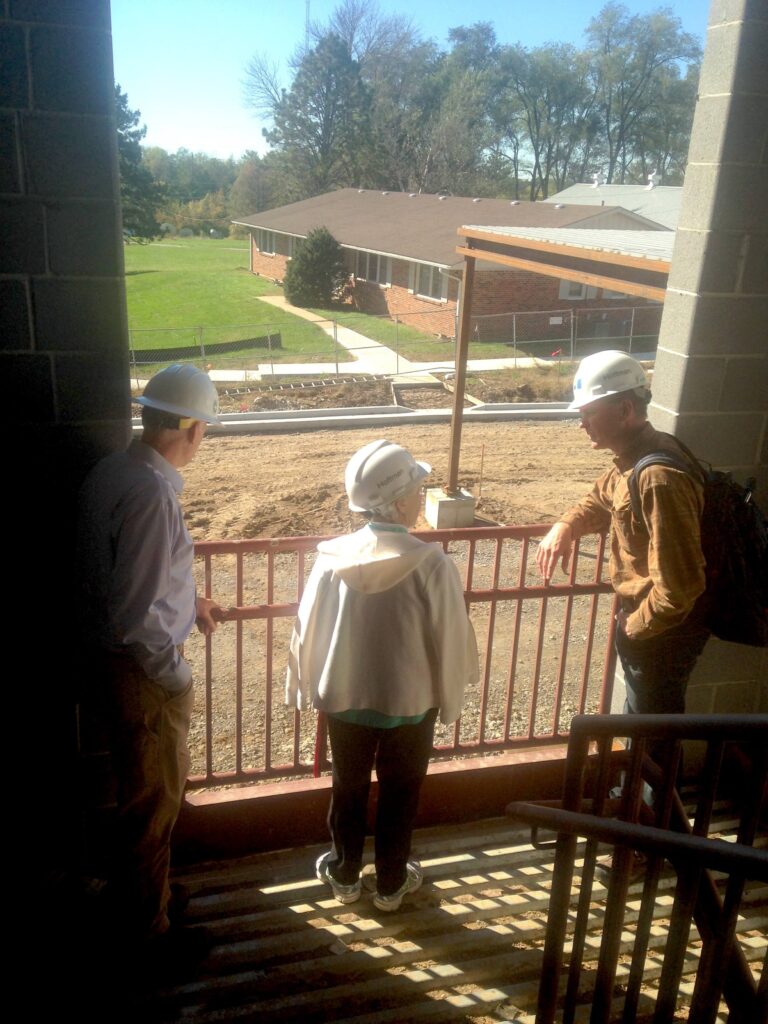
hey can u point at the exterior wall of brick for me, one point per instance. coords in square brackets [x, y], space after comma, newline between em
[495, 292]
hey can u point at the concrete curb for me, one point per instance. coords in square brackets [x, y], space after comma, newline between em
[295, 420]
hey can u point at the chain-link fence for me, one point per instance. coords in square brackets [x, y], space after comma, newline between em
[572, 332]
[383, 344]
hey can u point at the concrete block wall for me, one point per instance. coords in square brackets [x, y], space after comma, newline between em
[61, 263]
[63, 355]
[710, 384]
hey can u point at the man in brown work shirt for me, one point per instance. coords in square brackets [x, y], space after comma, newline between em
[656, 564]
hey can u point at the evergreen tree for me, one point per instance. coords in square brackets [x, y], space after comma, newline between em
[317, 271]
[140, 194]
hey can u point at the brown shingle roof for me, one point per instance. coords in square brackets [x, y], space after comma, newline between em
[417, 226]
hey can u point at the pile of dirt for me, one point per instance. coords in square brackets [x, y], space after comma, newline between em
[316, 396]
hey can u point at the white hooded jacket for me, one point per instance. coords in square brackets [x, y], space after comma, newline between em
[382, 625]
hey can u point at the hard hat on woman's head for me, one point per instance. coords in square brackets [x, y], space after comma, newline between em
[184, 391]
[380, 473]
[606, 373]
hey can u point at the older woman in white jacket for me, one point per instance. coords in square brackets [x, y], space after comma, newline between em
[382, 643]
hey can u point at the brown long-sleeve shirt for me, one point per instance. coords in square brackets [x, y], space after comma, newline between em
[656, 568]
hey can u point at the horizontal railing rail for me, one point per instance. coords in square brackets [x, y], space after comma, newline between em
[546, 652]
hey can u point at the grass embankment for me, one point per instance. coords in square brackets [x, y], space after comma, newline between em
[185, 291]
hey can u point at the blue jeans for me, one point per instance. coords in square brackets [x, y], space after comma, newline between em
[656, 673]
[401, 756]
[656, 670]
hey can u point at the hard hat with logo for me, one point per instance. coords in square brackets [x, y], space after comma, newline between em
[380, 473]
[606, 373]
[184, 391]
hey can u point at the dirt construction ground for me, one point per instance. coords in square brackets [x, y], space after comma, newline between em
[292, 484]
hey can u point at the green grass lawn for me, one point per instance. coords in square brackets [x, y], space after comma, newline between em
[183, 290]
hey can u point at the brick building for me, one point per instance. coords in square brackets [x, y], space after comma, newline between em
[400, 251]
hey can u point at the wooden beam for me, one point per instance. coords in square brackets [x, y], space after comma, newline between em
[653, 263]
[619, 284]
[462, 349]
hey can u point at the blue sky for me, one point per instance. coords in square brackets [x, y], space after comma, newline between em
[182, 62]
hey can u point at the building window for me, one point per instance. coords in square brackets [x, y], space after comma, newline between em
[369, 266]
[609, 293]
[429, 281]
[575, 290]
[265, 240]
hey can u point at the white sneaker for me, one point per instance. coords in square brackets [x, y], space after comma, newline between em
[414, 876]
[343, 893]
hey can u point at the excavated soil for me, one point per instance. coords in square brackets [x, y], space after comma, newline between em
[291, 484]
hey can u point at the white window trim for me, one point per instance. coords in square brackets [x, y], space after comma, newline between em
[414, 274]
[384, 265]
[587, 291]
[264, 235]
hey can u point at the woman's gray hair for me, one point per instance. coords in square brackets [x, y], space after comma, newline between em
[387, 513]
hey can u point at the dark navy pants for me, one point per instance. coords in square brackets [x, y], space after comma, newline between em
[401, 756]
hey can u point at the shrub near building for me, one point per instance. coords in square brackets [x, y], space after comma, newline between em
[317, 272]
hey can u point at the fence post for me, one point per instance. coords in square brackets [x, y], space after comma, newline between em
[573, 333]
[631, 329]
[133, 359]
[336, 345]
[514, 337]
[201, 345]
[269, 349]
[397, 345]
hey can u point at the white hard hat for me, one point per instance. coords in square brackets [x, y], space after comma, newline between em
[183, 391]
[606, 373]
[379, 474]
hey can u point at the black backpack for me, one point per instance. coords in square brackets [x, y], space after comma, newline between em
[734, 541]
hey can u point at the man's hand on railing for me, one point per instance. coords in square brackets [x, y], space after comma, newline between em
[209, 614]
[555, 545]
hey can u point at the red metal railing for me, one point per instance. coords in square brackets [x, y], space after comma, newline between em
[546, 652]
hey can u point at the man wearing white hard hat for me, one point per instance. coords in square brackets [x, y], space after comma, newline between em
[656, 562]
[382, 643]
[140, 605]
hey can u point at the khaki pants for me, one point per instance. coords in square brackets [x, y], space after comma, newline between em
[148, 740]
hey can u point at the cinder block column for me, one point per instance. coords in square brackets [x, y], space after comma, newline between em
[710, 385]
[63, 362]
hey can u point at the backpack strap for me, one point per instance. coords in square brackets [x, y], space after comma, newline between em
[660, 458]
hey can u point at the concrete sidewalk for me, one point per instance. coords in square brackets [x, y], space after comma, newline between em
[369, 356]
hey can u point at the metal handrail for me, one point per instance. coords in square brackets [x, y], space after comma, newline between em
[513, 612]
[591, 767]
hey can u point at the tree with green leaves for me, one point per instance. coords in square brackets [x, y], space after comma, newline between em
[317, 272]
[323, 121]
[628, 55]
[140, 195]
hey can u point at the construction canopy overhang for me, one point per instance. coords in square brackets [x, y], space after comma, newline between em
[632, 262]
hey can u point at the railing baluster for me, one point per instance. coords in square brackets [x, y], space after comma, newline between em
[208, 679]
[493, 595]
[239, 667]
[268, 667]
